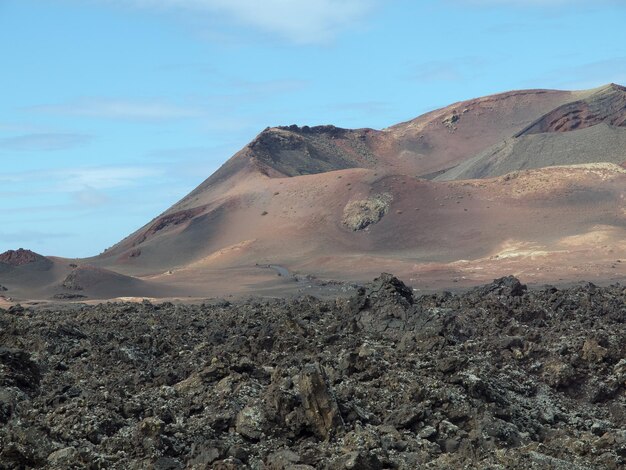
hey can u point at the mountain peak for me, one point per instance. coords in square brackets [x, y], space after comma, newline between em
[293, 150]
[615, 86]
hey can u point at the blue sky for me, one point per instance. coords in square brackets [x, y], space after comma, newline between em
[112, 110]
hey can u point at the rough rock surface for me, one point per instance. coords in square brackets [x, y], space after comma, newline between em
[358, 215]
[499, 377]
[22, 257]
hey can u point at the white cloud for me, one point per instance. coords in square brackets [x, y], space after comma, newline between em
[102, 178]
[119, 109]
[43, 142]
[29, 236]
[300, 21]
[90, 197]
[72, 180]
[462, 68]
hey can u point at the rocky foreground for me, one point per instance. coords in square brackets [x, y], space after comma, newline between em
[496, 378]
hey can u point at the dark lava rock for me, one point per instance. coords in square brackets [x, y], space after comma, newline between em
[499, 377]
[390, 288]
[318, 401]
[382, 304]
[68, 296]
[18, 370]
[508, 286]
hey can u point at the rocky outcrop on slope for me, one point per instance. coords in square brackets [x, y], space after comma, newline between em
[499, 377]
[360, 214]
[23, 257]
[293, 150]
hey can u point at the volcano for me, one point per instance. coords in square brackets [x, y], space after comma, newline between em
[530, 183]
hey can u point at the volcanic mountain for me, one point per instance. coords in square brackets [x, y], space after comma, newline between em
[529, 182]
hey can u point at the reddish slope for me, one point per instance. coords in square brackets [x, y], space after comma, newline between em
[430, 143]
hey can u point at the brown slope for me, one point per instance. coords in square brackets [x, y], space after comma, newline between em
[552, 218]
[430, 143]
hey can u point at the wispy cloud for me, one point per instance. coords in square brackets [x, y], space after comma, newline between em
[16, 127]
[448, 70]
[438, 71]
[29, 236]
[43, 142]
[71, 180]
[299, 21]
[91, 197]
[119, 109]
[102, 178]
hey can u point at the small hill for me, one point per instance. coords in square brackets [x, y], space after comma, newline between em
[22, 257]
[103, 283]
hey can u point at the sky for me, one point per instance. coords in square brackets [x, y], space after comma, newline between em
[113, 110]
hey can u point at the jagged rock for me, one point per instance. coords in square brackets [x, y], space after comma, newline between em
[204, 456]
[390, 288]
[558, 374]
[382, 305]
[357, 461]
[427, 432]
[508, 286]
[405, 416]
[593, 352]
[318, 401]
[18, 370]
[282, 460]
[63, 458]
[250, 422]
[150, 427]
